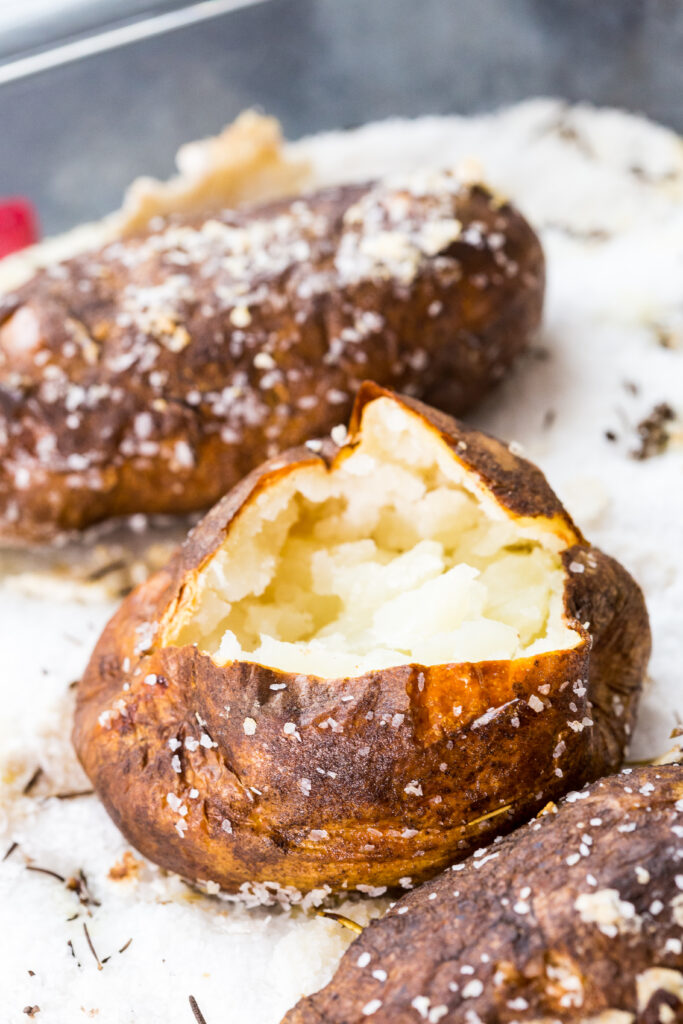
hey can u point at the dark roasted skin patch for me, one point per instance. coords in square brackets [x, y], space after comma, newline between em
[560, 921]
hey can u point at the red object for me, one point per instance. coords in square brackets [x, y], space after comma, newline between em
[18, 225]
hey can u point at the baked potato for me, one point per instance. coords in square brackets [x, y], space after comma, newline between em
[150, 376]
[577, 916]
[369, 658]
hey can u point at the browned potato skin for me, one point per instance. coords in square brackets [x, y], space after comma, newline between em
[363, 807]
[521, 947]
[65, 462]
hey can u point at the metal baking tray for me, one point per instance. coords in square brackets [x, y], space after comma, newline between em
[93, 92]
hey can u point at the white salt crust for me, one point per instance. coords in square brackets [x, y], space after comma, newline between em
[605, 190]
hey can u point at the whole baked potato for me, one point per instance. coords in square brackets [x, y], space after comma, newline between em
[577, 916]
[363, 663]
[150, 376]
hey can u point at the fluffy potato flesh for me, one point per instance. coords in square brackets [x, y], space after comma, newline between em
[394, 555]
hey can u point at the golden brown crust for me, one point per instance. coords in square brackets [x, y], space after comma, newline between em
[152, 375]
[389, 785]
[574, 915]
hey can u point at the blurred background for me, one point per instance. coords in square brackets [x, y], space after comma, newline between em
[95, 92]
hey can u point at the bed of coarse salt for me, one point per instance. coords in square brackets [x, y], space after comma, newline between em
[605, 191]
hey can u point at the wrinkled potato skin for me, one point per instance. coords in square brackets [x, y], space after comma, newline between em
[70, 461]
[522, 947]
[362, 805]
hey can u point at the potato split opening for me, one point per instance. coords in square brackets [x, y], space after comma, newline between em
[396, 554]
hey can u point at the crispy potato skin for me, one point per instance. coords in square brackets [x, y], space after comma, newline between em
[362, 822]
[151, 376]
[504, 938]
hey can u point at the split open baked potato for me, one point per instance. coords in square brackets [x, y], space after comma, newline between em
[368, 659]
[577, 916]
[151, 375]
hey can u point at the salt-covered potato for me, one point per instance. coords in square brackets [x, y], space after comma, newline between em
[151, 375]
[577, 916]
[364, 662]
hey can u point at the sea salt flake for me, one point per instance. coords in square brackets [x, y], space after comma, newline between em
[371, 1007]
[421, 1004]
[264, 361]
[339, 434]
[372, 890]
